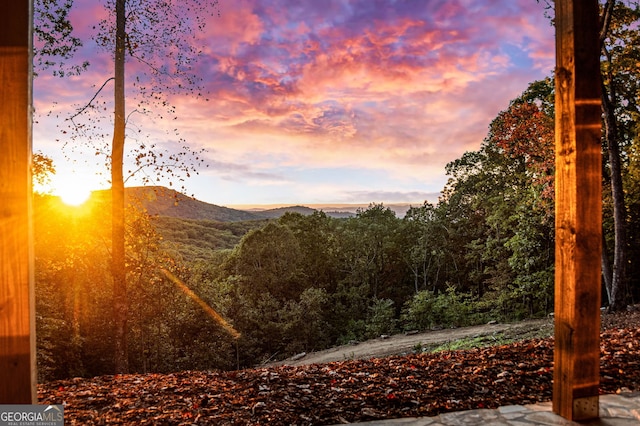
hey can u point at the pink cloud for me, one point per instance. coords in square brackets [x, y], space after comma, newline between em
[237, 24]
[403, 88]
[441, 55]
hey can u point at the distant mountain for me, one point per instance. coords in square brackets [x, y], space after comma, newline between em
[338, 211]
[350, 210]
[163, 201]
[303, 210]
[196, 229]
[276, 213]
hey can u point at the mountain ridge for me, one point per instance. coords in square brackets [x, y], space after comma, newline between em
[163, 201]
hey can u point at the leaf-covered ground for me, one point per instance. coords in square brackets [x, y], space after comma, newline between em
[349, 391]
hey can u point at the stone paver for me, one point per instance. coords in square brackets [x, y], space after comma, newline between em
[615, 410]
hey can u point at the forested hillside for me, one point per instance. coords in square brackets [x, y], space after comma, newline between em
[194, 230]
[161, 201]
[198, 239]
[484, 251]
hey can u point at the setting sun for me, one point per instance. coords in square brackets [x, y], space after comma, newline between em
[73, 189]
[73, 195]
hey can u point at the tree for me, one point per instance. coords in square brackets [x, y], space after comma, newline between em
[118, 271]
[270, 262]
[54, 42]
[418, 242]
[525, 134]
[315, 235]
[376, 229]
[498, 205]
[618, 44]
[42, 168]
[160, 36]
[424, 239]
[618, 38]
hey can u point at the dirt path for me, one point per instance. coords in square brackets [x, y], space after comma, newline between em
[407, 343]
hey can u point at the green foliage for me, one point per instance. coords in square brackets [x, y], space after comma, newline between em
[418, 313]
[269, 261]
[72, 301]
[470, 343]
[354, 330]
[499, 201]
[305, 325]
[621, 52]
[55, 42]
[381, 318]
[304, 283]
[450, 308]
[198, 240]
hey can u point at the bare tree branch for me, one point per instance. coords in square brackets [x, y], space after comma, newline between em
[81, 110]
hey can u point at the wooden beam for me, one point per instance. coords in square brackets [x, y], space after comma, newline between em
[17, 316]
[578, 211]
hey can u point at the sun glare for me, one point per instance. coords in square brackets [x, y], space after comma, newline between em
[74, 195]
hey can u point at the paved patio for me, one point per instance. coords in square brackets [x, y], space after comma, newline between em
[615, 410]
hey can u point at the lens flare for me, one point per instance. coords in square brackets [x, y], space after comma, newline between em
[208, 309]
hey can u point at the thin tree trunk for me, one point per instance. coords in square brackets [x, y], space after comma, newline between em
[607, 274]
[617, 301]
[618, 279]
[121, 362]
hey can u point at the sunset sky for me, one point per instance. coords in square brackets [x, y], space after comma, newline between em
[321, 102]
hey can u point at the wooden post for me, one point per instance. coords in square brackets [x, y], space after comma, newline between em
[578, 211]
[17, 316]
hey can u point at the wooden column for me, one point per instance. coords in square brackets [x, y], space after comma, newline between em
[578, 211]
[17, 315]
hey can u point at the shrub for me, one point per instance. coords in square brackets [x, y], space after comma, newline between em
[448, 309]
[354, 331]
[380, 318]
[417, 313]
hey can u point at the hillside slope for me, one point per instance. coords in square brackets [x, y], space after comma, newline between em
[277, 212]
[161, 201]
[402, 344]
[199, 239]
